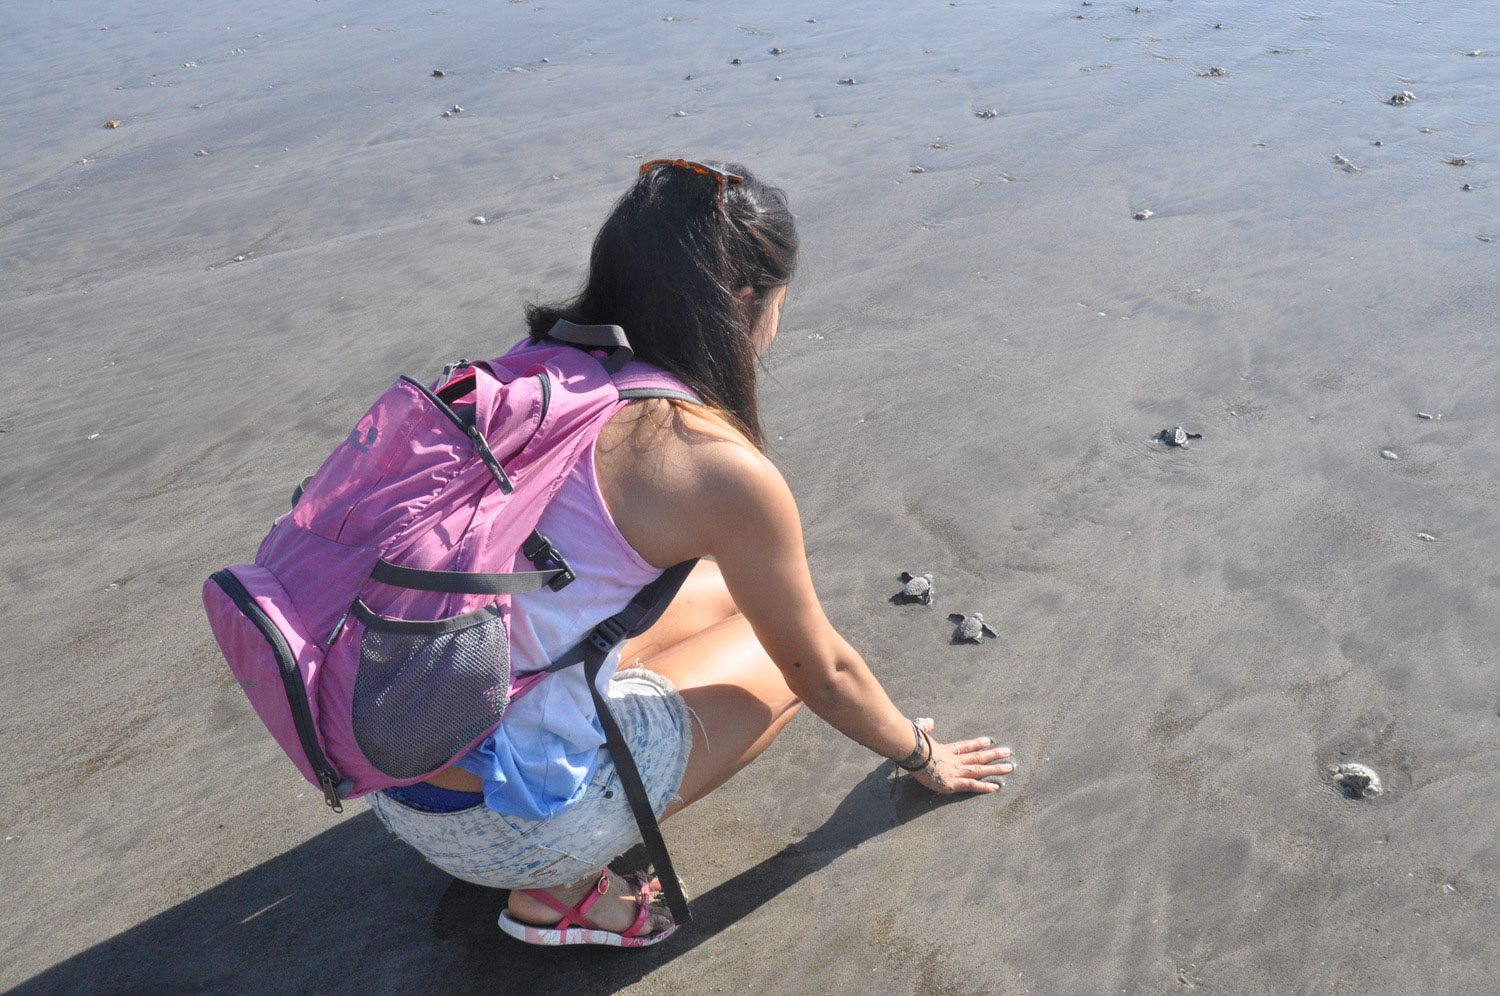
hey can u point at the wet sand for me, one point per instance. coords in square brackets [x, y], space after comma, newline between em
[973, 363]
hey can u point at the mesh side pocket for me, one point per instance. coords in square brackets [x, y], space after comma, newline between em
[426, 689]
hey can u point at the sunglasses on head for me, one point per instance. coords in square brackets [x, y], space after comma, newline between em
[722, 180]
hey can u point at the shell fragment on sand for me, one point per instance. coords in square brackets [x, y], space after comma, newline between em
[1143, 214]
[1389, 455]
[987, 113]
[479, 219]
[1344, 163]
[1430, 416]
[1427, 537]
[1402, 99]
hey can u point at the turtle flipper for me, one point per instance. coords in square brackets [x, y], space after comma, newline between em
[987, 631]
[955, 617]
[905, 576]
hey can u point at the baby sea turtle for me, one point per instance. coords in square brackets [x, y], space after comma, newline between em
[778, 51]
[112, 123]
[1215, 71]
[1356, 781]
[1401, 99]
[1143, 214]
[1177, 436]
[736, 61]
[970, 629]
[1457, 161]
[848, 81]
[1467, 186]
[987, 113]
[438, 74]
[916, 588]
[1345, 164]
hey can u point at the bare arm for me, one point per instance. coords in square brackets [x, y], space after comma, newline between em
[718, 497]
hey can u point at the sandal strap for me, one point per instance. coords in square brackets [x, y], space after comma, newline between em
[642, 916]
[573, 914]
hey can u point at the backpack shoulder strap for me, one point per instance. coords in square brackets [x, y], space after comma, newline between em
[592, 651]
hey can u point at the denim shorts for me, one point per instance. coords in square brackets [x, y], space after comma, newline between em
[488, 848]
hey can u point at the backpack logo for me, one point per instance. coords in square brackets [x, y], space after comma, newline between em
[363, 445]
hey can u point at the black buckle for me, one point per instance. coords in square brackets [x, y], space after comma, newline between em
[544, 557]
[607, 635]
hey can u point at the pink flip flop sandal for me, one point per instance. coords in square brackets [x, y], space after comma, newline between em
[576, 928]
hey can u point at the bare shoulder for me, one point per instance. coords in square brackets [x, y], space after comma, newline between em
[676, 478]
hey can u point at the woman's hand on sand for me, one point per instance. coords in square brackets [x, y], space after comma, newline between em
[961, 766]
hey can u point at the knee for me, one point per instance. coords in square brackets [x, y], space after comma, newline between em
[705, 587]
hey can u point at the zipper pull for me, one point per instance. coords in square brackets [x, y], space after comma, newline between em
[338, 629]
[330, 791]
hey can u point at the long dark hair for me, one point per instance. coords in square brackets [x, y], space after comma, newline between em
[666, 267]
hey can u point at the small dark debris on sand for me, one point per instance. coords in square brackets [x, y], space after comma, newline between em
[1430, 416]
[1457, 161]
[1402, 99]
[1177, 436]
[987, 113]
[1215, 71]
[438, 74]
[736, 61]
[778, 51]
[848, 81]
[1143, 214]
[970, 628]
[1468, 186]
[1356, 781]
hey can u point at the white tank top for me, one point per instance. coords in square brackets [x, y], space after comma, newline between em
[541, 758]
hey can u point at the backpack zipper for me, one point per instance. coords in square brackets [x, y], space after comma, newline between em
[291, 681]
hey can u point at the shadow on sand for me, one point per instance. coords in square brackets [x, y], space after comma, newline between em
[354, 909]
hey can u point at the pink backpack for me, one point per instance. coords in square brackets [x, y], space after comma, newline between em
[372, 632]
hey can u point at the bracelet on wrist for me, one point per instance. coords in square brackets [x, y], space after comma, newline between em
[921, 754]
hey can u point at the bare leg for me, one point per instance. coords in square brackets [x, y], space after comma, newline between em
[737, 694]
[710, 653]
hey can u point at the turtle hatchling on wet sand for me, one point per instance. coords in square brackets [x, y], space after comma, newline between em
[1356, 781]
[1177, 436]
[916, 588]
[970, 629]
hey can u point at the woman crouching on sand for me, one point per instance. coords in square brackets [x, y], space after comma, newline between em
[693, 263]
